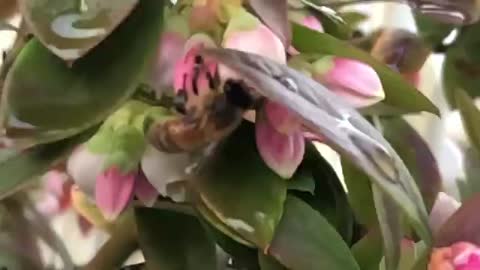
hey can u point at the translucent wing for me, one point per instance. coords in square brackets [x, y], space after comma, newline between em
[342, 127]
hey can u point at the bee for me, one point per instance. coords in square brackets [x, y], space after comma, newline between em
[7, 8]
[206, 116]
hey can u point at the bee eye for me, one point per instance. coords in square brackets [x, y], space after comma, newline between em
[237, 94]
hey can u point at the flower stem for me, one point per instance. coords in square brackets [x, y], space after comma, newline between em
[122, 243]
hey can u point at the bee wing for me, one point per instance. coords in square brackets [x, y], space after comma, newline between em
[342, 126]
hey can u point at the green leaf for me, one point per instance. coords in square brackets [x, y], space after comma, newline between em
[359, 194]
[304, 240]
[416, 154]
[332, 23]
[302, 181]
[461, 69]
[240, 190]
[329, 197]
[401, 97]
[174, 241]
[353, 18]
[243, 256]
[422, 257]
[369, 250]
[389, 219]
[218, 224]
[470, 117]
[470, 186]
[269, 263]
[17, 170]
[45, 99]
[431, 30]
[70, 28]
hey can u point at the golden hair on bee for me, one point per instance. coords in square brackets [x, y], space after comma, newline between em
[7, 9]
[187, 134]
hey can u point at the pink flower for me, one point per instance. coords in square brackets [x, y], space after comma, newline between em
[356, 82]
[169, 52]
[260, 40]
[460, 256]
[194, 76]
[247, 33]
[57, 193]
[279, 139]
[313, 23]
[186, 76]
[113, 188]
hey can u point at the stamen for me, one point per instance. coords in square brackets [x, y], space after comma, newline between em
[211, 82]
[198, 59]
[196, 76]
[184, 83]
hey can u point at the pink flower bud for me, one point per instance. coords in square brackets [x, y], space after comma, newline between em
[144, 190]
[113, 191]
[353, 80]
[247, 33]
[282, 152]
[460, 256]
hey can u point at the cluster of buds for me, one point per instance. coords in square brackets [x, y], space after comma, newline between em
[118, 164]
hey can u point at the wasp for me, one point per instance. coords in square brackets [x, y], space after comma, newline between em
[205, 116]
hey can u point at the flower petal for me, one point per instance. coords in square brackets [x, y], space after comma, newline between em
[443, 208]
[84, 167]
[113, 192]
[282, 153]
[356, 82]
[281, 118]
[86, 208]
[169, 52]
[162, 168]
[144, 191]
[260, 40]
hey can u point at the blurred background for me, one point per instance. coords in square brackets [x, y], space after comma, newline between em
[445, 136]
